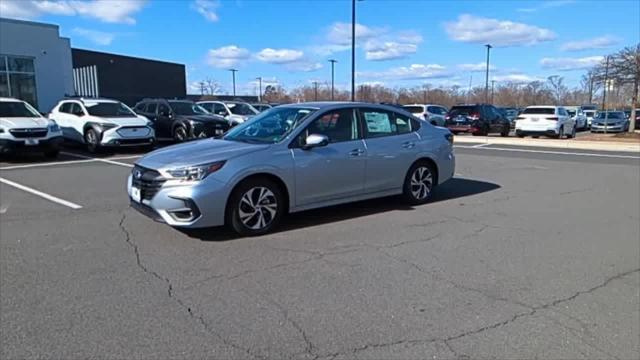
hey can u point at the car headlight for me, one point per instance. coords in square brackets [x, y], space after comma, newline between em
[195, 173]
[108, 126]
[53, 127]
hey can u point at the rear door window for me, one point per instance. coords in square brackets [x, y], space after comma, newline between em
[151, 107]
[378, 123]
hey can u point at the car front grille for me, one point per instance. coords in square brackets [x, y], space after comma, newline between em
[148, 181]
[29, 133]
[133, 131]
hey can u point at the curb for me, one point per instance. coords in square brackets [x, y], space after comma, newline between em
[552, 143]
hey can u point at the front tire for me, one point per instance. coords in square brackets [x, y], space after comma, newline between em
[51, 154]
[573, 133]
[91, 139]
[419, 183]
[255, 207]
[179, 134]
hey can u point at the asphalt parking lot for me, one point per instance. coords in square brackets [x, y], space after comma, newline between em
[524, 254]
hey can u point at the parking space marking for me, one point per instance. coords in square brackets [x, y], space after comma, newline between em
[112, 162]
[12, 167]
[41, 194]
[549, 152]
[480, 145]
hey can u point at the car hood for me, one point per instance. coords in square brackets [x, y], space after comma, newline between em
[203, 118]
[122, 121]
[609, 121]
[197, 153]
[24, 122]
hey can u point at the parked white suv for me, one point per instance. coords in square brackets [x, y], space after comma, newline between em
[551, 121]
[432, 113]
[235, 112]
[575, 112]
[23, 129]
[101, 123]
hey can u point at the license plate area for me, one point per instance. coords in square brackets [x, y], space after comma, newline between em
[135, 194]
[31, 142]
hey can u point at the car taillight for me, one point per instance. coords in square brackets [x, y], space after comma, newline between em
[447, 117]
[554, 118]
[474, 116]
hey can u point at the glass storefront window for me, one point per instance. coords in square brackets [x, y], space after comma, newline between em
[18, 78]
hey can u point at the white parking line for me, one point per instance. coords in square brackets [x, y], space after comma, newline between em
[549, 152]
[46, 164]
[41, 194]
[98, 159]
[480, 145]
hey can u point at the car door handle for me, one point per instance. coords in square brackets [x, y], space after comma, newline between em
[356, 152]
[408, 144]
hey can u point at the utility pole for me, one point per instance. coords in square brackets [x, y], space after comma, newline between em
[333, 63]
[590, 88]
[353, 50]
[259, 78]
[233, 75]
[315, 90]
[604, 94]
[486, 84]
[492, 84]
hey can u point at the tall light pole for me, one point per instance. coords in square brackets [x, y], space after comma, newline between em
[259, 78]
[333, 63]
[315, 90]
[233, 76]
[604, 94]
[353, 50]
[486, 84]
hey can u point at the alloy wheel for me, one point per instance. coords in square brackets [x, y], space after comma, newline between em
[421, 183]
[258, 208]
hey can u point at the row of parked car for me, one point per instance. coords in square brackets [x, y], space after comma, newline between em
[551, 121]
[99, 123]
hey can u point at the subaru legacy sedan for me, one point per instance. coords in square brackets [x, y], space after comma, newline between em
[293, 158]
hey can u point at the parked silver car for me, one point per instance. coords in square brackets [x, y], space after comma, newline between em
[293, 158]
[610, 121]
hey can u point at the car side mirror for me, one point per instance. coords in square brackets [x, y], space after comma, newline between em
[315, 140]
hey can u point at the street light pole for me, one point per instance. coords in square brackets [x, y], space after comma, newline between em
[604, 94]
[486, 84]
[259, 88]
[233, 75]
[333, 63]
[353, 50]
[315, 89]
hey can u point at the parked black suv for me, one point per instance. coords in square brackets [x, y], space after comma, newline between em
[181, 120]
[477, 119]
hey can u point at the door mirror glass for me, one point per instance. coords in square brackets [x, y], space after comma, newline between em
[315, 140]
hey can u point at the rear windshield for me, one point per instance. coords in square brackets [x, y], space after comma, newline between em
[541, 111]
[589, 112]
[463, 110]
[414, 109]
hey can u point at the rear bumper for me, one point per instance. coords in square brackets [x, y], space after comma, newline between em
[50, 144]
[520, 132]
[461, 128]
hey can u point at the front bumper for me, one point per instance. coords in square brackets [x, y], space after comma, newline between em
[18, 145]
[192, 205]
[126, 136]
[608, 128]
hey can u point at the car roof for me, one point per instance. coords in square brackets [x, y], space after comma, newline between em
[542, 106]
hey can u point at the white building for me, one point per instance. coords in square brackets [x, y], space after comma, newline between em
[35, 63]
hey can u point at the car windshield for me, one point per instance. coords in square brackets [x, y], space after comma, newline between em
[270, 126]
[187, 108]
[241, 109]
[108, 109]
[414, 109]
[611, 115]
[17, 109]
[571, 112]
[540, 111]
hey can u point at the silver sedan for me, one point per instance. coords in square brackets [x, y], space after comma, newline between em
[293, 158]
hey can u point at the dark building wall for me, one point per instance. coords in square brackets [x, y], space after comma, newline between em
[130, 79]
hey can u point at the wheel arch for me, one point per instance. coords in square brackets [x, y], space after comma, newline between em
[264, 175]
[431, 162]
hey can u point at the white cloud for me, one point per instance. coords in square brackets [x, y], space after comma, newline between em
[340, 33]
[109, 11]
[517, 78]
[600, 42]
[411, 72]
[568, 64]
[479, 67]
[547, 5]
[206, 8]
[387, 50]
[474, 29]
[97, 37]
[304, 66]
[227, 56]
[279, 56]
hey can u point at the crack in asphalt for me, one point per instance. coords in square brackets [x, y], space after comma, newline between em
[171, 294]
[447, 341]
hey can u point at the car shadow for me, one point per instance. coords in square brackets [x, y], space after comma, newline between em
[452, 189]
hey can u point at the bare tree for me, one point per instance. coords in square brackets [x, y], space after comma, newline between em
[212, 86]
[625, 69]
[557, 87]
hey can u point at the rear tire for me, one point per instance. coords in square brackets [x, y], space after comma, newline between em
[419, 183]
[255, 207]
[91, 139]
[573, 133]
[505, 131]
[560, 133]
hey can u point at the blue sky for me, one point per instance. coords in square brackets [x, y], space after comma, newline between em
[400, 43]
